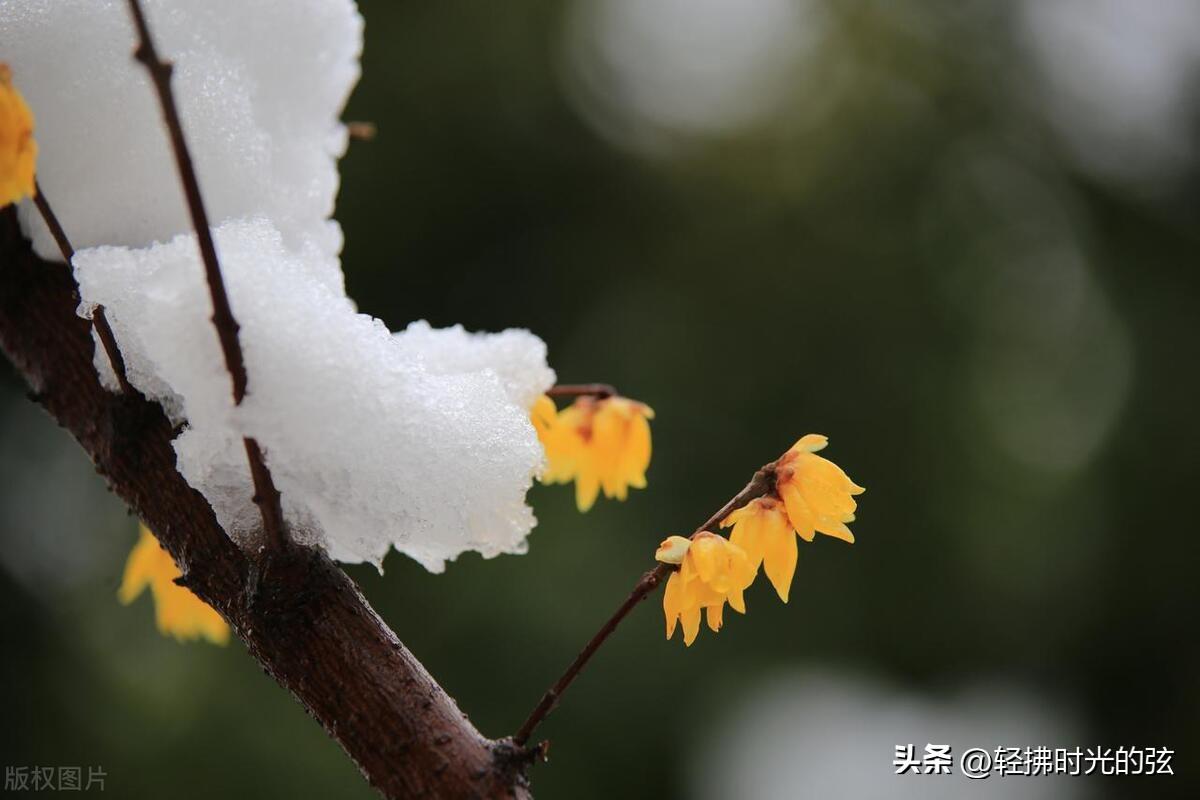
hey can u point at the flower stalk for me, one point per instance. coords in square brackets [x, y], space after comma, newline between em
[759, 485]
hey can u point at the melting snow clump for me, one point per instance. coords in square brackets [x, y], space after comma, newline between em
[374, 439]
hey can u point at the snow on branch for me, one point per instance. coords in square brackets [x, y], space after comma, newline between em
[420, 440]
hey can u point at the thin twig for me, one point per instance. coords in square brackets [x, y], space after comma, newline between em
[362, 131]
[762, 483]
[598, 390]
[265, 494]
[51, 220]
[227, 327]
[99, 321]
[644, 586]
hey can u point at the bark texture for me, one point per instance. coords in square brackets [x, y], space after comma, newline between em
[299, 615]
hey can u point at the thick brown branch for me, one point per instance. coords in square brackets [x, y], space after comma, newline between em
[299, 615]
[227, 327]
[762, 483]
[99, 320]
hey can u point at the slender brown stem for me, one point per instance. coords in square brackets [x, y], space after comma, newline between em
[51, 220]
[99, 321]
[265, 494]
[549, 700]
[761, 484]
[599, 390]
[362, 131]
[227, 327]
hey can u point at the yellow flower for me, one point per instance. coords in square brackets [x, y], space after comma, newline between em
[603, 444]
[817, 494]
[712, 571]
[18, 150]
[763, 530]
[177, 611]
[560, 443]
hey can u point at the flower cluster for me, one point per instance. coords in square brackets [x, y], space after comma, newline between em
[177, 611]
[712, 571]
[601, 443]
[18, 150]
[809, 495]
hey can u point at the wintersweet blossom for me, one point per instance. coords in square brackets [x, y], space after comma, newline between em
[177, 611]
[763, 530]
[818, 495]
[18, 149]
[603, 444]
[712, 571]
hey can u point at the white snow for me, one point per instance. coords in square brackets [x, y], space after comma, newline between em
[419, 440]
[259, 85]
[516, 356]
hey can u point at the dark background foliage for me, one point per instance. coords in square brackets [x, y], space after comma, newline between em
[920, 250]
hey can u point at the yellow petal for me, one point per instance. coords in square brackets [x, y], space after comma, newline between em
[737, 601]
[637, 452]
[779, 563]
[672, 550]
[776, 524]
[810, 443]
[737, 515]
[714, 614]
[799, 515]
[177, 611]
[705, 555]
[587, 487]
[831, 527]
[747, 534]
[826, 488]
[18, 148]
[608, 440]
[544, 415]
[143, 563]
[673, 602]
[691, 625]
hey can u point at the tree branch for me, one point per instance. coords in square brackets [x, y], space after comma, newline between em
[265, 494]
[299, 615]
[761, 484]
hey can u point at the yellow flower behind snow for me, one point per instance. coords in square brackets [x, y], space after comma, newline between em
[18, 150]
[603, 444]
[177, 611]
[712, 571]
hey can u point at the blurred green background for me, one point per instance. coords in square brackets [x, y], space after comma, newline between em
[960, 239]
